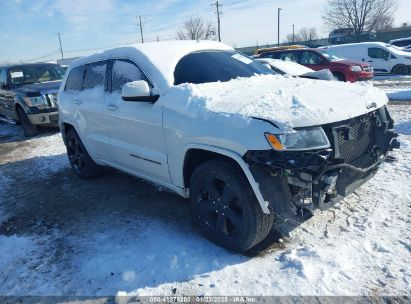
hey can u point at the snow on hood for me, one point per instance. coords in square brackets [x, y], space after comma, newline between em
[287, 102]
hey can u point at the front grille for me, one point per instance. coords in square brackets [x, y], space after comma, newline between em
[368, 68]
[356, 138]
[52, 100]
[353, 142]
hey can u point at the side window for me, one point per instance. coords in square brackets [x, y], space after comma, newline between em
[289, 56]
[3, 77]
[124, 71]
[95, 75]
[378, 53]
[308, 57]
[75, 79]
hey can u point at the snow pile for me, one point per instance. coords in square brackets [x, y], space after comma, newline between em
[286, 101]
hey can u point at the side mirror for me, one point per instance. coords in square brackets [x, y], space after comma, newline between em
[137, 91]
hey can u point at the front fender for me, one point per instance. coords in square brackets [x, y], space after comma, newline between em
[234, 156]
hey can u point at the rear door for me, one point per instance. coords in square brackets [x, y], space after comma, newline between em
[137, 139]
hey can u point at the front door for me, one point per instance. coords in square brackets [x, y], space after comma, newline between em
[379, 59]
[136, 133]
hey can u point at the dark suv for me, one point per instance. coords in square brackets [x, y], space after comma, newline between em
[319, 59]
[28, 94]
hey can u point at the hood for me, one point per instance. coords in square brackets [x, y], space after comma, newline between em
[352, 62]
[45, 87]
[287, 102]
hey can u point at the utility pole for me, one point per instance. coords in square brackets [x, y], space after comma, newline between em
[293, 34]
[278, 28]
[141, 30]
[61, 48]
[217, 5]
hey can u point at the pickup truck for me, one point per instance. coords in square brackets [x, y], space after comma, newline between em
[28, 95]
[244, 144]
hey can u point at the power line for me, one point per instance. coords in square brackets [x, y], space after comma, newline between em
[218, 12]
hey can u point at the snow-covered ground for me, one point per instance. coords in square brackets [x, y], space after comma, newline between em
[397, 88]
[60, 235]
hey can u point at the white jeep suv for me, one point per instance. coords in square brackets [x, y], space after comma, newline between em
[244, 144]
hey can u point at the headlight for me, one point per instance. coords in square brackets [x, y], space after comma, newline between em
[355, 68]
[305, 139]
[34, 101]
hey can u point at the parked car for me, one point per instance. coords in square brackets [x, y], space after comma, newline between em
[28, 94]
[245, 145]
[402, 42]
[320, 59]
[294, 69]
[384, 58]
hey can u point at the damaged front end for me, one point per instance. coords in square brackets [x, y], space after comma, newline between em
[295, 182]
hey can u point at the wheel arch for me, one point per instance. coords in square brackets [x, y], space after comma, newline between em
[197, 154]
[400, 65]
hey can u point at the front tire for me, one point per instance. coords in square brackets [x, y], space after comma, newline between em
[225, 207]
[29, 129]
[339, 76]
[79, 158]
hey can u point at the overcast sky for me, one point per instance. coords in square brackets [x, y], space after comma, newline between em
[28, 28]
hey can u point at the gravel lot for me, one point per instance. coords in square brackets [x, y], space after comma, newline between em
[60, 235]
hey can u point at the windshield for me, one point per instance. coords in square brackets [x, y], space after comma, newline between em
[36, 73]
[330, 55]
[213, 66]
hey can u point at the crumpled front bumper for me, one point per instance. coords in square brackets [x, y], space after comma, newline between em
[324, 177]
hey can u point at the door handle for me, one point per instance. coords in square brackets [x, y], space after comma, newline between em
[77, 101]
[112, 107]
[370, 61]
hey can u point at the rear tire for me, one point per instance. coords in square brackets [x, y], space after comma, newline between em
[29, 129]
[79, 158]
[339, 76]
[400, 70]
[225, 207]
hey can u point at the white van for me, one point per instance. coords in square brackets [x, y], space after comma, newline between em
[384, 58]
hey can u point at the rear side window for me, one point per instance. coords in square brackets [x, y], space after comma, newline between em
[311, 58]
[378, 53]
[124, 71]
[95, 75]
[75, 79]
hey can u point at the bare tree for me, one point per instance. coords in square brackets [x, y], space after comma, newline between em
[196, 28]
[359, 15]
[304, 35]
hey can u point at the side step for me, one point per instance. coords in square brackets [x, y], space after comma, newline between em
[9, 120]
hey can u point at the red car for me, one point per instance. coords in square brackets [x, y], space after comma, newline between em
[319, 59]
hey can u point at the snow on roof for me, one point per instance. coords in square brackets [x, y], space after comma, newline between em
[400, 39]
[157, 58]
[288, 102]
[288, 67]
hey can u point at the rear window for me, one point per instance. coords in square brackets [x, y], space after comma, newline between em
[402, 43]
[213, 66]
[95, 75]
[75, 79]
